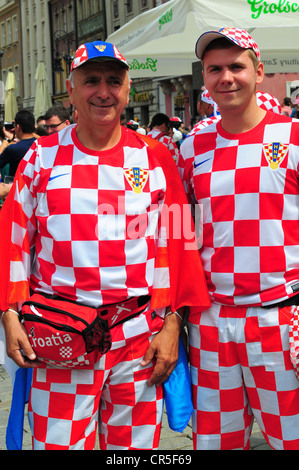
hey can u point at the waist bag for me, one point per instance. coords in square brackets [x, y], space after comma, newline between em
[67, 334]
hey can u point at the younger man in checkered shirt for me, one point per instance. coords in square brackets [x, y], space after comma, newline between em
[243, 173]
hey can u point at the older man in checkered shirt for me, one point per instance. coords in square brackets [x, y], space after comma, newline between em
[85, 221]
[243, 173]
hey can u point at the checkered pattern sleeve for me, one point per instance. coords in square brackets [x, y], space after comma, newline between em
[247, 186]
[165, 140]
[18, 219]
[171, 145]
[204, 123]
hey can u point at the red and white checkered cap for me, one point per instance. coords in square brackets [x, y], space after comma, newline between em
[237, 36]
[268, 102]
[175, 119]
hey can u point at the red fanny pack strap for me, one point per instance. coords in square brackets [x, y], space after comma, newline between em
[119, 313]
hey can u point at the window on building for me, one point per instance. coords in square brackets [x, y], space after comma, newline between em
[70, 18]
[9, 34]
[80, 10]
[83, 9]
[145, 115]
[94, 7]
[15, 29]
[17, 76]
[129, 4]
[3, 35]
[63, 19]
[115, 9]
[56, 21]
[4, 76]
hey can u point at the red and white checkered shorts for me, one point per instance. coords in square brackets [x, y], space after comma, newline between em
[241, 369]
[66, 404]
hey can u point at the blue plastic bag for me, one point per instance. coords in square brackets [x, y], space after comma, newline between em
[178, 394]
[20, 396]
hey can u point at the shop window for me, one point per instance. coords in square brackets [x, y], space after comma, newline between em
[145, 115]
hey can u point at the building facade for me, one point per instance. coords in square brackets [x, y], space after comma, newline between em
[72, 22]
[34, 31]
[10, 53]
[64, 40]
[34, 47]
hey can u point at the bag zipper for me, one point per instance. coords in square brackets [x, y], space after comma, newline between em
[57, 310]
[37, 319]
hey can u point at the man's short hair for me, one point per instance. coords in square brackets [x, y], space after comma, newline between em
[59, 111]
[26, 120]
[40, 118]
[160, 119]
[223, 43]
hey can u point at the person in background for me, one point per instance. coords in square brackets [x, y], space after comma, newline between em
[286, 106]
[209, 111]
[41, 121]
[160, 130]
[24, 131]
[178, 128]
[56, 119]
[131, 124]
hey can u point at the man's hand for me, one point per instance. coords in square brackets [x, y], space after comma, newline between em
[9, 134]
[4, 190]
[17, 343]
[164, 348]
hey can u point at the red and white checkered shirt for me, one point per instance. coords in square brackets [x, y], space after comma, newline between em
[92, 217]
[167, 141]
[247, 185]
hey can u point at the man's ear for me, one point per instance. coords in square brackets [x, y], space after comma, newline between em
[260, 73]
[69, 90]
[130, 85]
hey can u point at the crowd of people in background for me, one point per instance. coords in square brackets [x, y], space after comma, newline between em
[57, 118]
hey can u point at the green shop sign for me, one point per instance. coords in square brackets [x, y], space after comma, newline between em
[149, 64]
[166, 18]
[259, 7]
